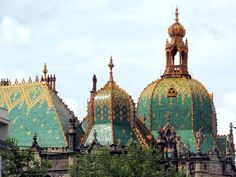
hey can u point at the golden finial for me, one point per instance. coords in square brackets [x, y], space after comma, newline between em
[30, 80]
[16, 82]
[45, 71]
[111, 65]
[177, 15]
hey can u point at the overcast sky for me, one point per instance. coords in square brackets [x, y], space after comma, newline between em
[76, 38]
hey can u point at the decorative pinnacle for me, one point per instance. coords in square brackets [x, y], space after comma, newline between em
[111, 65]
[35, 137]
[45, 71]
[177, 15]
[231, 127]
[94, 83]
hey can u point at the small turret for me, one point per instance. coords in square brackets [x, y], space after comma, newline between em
[72, 134]
[35, 146]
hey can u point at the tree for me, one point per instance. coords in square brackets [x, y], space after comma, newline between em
[21, 162]
[137, 162]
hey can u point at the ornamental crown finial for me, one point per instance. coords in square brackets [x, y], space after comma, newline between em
[111, 65]
[45, 71]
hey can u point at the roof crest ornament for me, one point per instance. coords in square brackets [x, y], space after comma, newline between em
[177, 15]
[111, 65]
[45, 71]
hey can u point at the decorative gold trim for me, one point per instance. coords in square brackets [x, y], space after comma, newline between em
[57, 114]
[24, 95]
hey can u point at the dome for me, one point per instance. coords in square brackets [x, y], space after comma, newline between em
[111, 100]
[176, 29]
[112, 114]
[188, 104]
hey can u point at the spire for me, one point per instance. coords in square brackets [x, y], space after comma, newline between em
[94, 89]
[231, 127]
[111, 65]
[176, 30]
[176, 15]
[45, 71]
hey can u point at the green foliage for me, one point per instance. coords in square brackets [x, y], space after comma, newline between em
[138, 162]
[21, 162]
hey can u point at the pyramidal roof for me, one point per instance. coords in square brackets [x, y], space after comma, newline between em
[35, 107]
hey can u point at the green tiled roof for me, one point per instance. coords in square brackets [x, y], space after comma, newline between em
[34, 108]
[112, 110]
[84, 123]
[189, 110]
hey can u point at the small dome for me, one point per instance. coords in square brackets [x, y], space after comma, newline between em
[111, 101]
[113, 113]
[176, 29]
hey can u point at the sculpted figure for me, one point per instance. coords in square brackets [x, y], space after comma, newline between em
[200, 138]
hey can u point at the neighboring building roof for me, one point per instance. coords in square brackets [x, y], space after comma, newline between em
[35, 108]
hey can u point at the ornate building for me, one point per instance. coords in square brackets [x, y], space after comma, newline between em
[36, 110]
[175, 112]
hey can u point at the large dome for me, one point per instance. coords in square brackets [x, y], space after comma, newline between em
[186, 101]
[178, 100]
